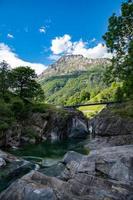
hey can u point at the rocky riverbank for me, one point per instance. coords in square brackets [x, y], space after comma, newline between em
[53, 124]
[109, 128]
[105, 174]
[11, 168]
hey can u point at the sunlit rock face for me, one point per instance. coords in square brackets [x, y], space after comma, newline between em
[72, 63]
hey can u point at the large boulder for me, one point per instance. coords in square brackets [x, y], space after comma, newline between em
[33, 186]
[83, 185]
[106, 123]
[112, 162]
[11, 168]
[100, 142]
[72, 156]
[110, 129]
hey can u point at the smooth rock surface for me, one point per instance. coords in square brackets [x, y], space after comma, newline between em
[107, 124]
[2, 162]
[54, 125]
[105, 174]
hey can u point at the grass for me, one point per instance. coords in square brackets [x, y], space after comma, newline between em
[91, 111]
[124, 110]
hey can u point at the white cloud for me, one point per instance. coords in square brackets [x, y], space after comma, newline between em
[10, 36]
[42, 29]
[14, 61]
[61, 44]
[64, 45]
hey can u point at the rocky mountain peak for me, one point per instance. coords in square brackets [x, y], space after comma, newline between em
[69, 64]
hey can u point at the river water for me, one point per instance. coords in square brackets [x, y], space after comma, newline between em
[45, 157]
[49, 152]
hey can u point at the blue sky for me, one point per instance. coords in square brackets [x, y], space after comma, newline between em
[28, 28]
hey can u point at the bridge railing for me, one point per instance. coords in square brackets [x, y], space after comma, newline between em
[94, 104]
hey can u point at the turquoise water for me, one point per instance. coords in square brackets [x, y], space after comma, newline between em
[49, 151]
[46, 156]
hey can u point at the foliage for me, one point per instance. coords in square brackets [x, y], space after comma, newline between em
[119, 40]
[20, 109]
[74, 88]
[4, 78]
[125, 110]
[112, 93]
[24, 84]
[6, 116]
[30, 132]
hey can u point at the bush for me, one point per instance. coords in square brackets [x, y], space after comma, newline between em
[20, 109]
[30, 132]
[6, 116]
[17, 106]
[3, 126]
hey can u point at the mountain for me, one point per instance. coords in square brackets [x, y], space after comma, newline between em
[72, 63]
[73, 79]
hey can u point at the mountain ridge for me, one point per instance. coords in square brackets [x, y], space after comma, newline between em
[70, 64]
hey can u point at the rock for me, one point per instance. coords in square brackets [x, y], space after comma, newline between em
[2, 162]
[109, 129]
[79, 128]
[33, 186]
[109, 159]
[54, 170]
[32, 141]
[100, 142]
[54, 124]
[77, 163]
[48, 162]
[122, 170]
[13, 168]
[108, 124]
[72, 156]
[81, 187]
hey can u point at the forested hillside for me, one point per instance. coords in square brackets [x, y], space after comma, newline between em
[73, 79]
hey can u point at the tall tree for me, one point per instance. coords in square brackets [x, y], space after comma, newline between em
[24, 83]
[119, 40]
[4, 77]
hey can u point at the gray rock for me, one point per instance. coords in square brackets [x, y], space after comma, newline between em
[33, 186]
[2, 162]
[115, 162]
[100, 142]
[72, 156]
[81, 187]
[57, 125]
[108, 124]
[54, 170]
[12, 168]
[79, 128]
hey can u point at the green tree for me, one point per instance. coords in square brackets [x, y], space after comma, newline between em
[119, 40]
[84, 96]
[4, 78]
[24, 83]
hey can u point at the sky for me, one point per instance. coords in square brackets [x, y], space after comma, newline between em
[38, 32]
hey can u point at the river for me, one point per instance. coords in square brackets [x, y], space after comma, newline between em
[45, 157]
